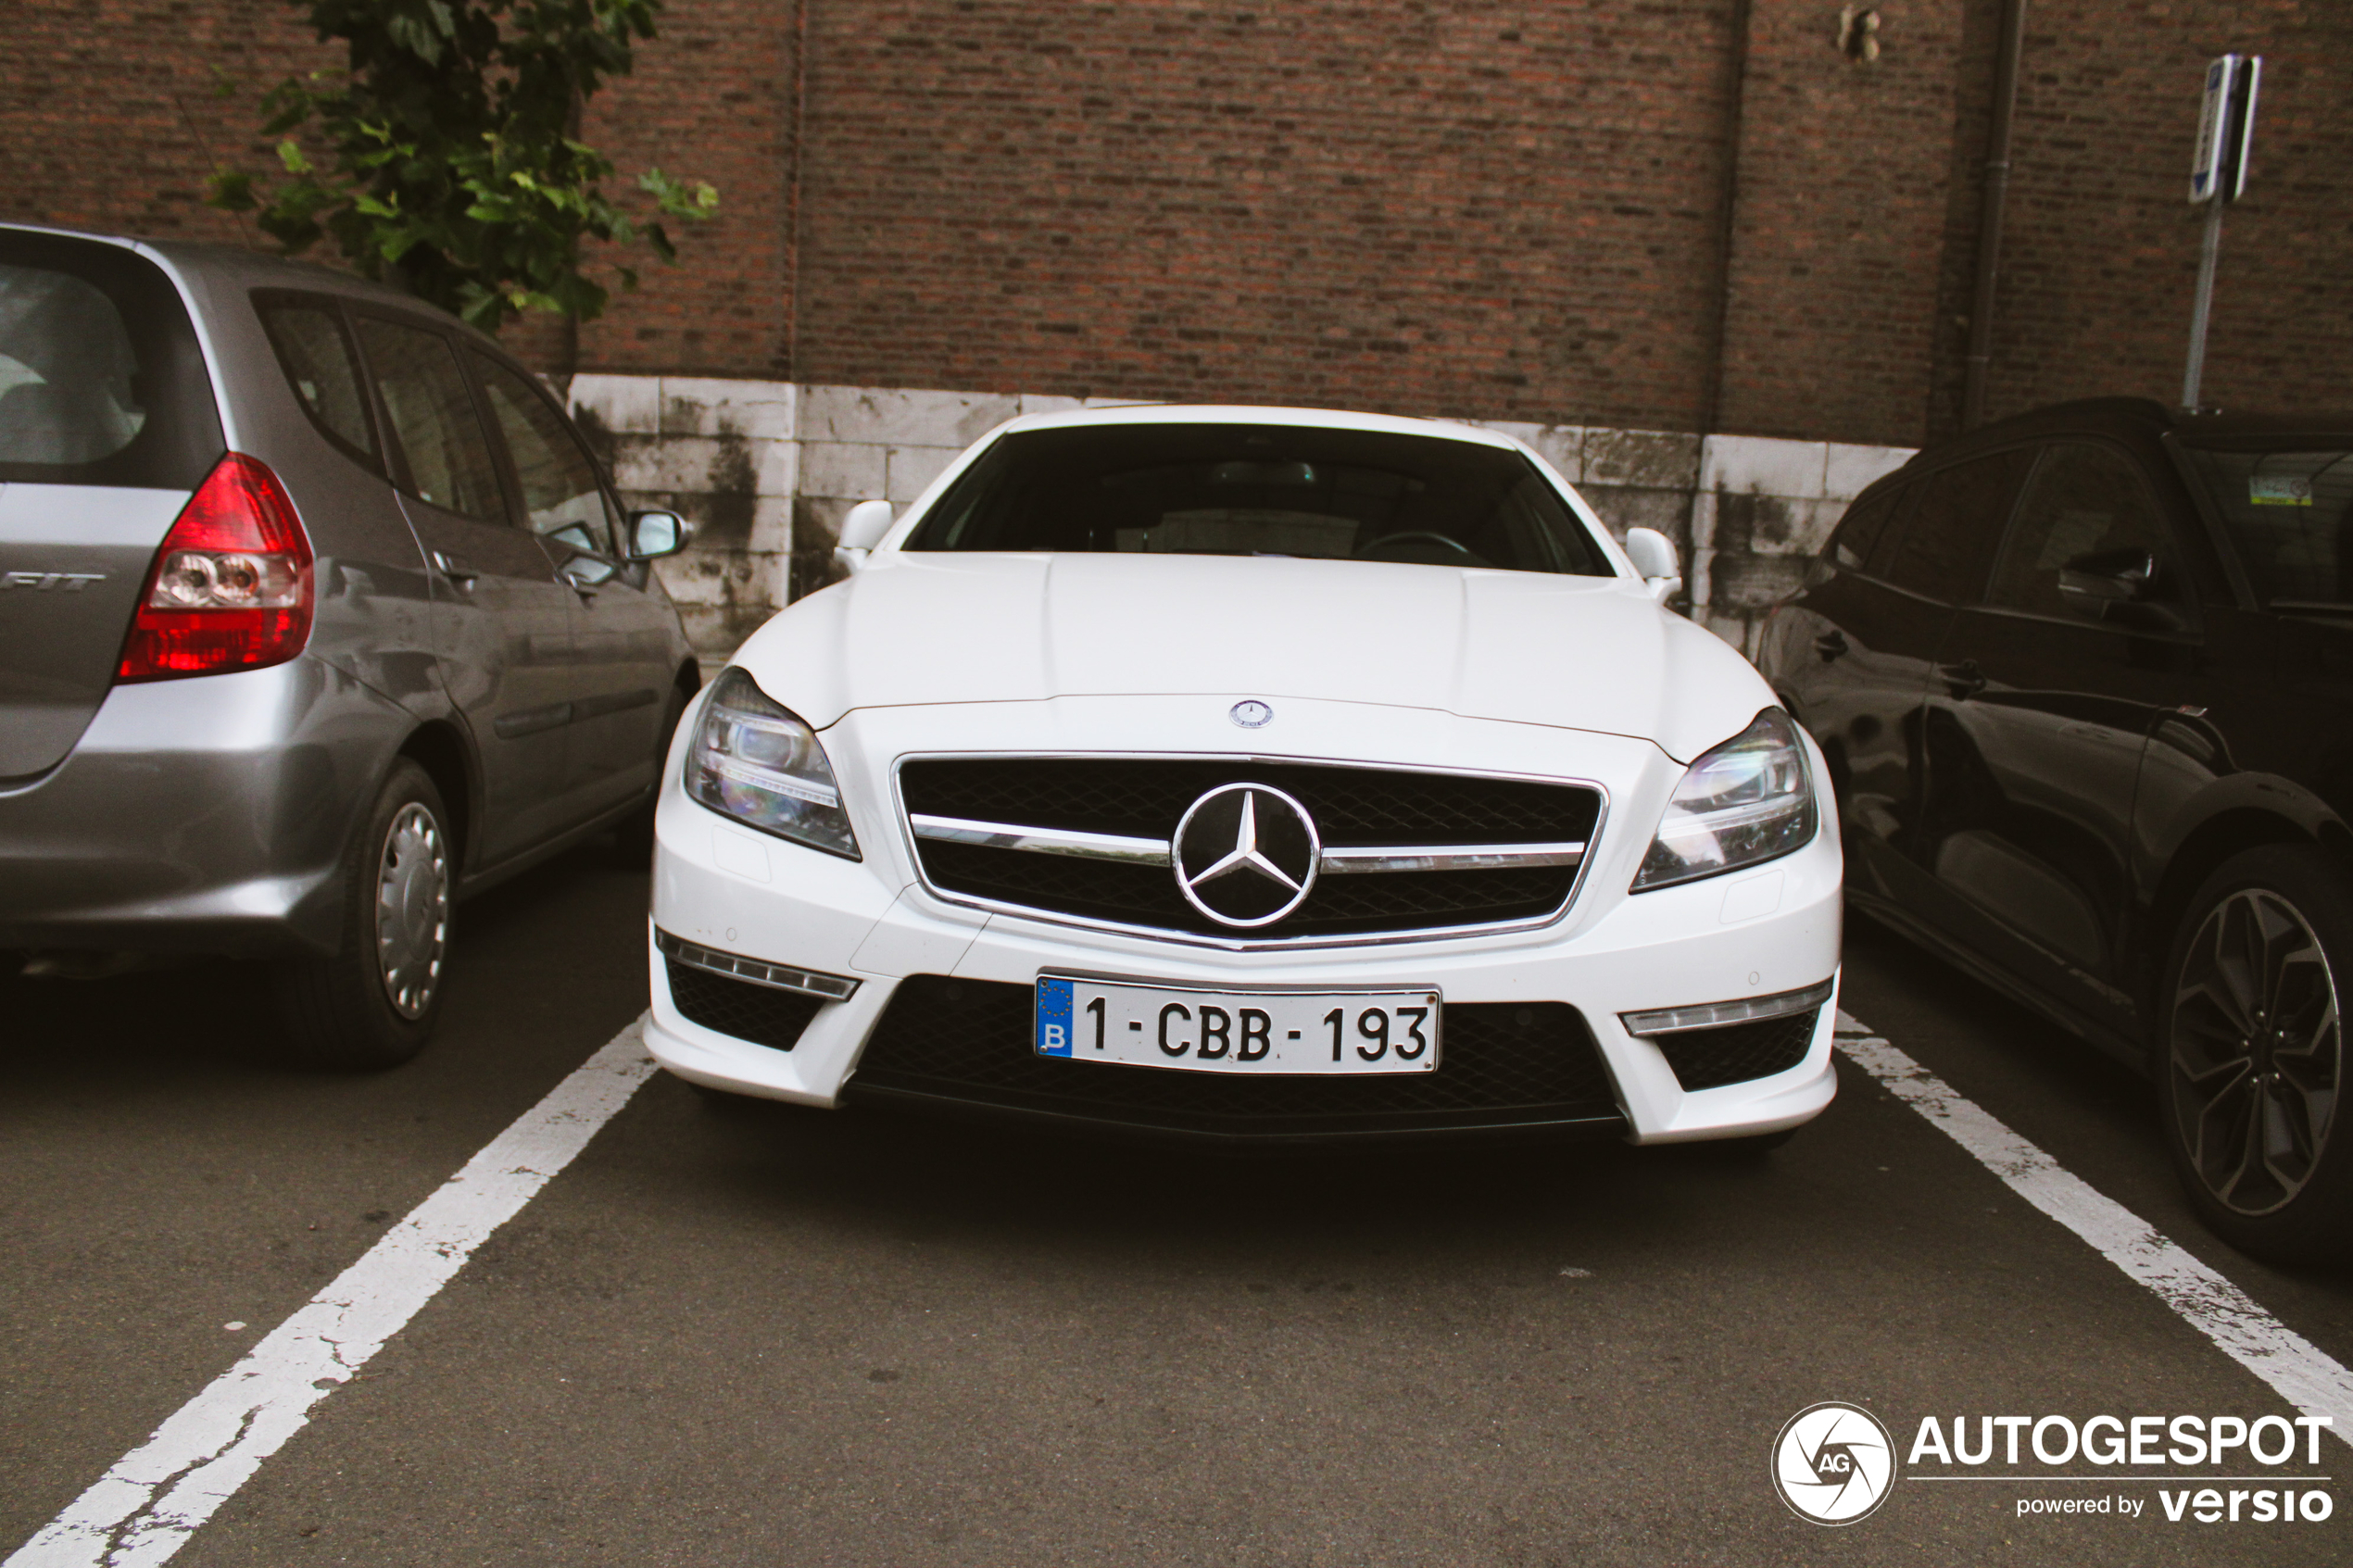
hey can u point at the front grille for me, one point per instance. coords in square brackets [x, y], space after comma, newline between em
[761, 1014]
[1502, 1065]
[1353, 808]
[1705, 1059]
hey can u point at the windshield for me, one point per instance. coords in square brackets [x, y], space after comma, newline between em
[101, 382]
[2286, 514]
[1261, 490]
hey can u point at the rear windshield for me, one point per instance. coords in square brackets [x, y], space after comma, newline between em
[2286, 513]
[1261, 490]
[101, 382]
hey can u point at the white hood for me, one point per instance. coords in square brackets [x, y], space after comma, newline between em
[1581, 653]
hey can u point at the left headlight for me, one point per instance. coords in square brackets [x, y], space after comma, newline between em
[1748, 800]
[754, 761]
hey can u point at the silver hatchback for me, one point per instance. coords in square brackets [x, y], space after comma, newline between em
[316, 615]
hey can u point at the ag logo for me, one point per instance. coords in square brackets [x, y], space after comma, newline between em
[1834, 1463]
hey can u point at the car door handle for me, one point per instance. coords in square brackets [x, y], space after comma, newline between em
[449, 567]
[1965, 679]
[585, 574]
[1830, 644]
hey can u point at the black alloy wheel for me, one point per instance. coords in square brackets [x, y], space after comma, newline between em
[2252, 1056]
[374, 1004]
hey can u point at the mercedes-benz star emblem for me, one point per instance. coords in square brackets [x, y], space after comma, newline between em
[1246, 854]
[1252, 715]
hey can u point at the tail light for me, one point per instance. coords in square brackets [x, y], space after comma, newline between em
[231, 588]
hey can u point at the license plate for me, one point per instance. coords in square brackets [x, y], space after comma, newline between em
[1342, 1033]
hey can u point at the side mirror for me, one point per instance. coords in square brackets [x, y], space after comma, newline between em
[861, 532]
[653, 534]
[1653, 556]
[2109, 577]
[2123, 587]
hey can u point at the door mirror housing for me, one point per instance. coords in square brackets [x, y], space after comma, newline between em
[861, 532]
[2123, 587]
[1653, 556]
[2123, 576]
[654, 533]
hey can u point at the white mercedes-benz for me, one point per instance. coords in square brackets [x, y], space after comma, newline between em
[1251, 773]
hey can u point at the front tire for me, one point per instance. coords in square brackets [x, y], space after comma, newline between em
[374, 1004]
[2250, 1059]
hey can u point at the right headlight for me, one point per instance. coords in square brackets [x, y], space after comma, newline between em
[1748, 800]
[754, 761]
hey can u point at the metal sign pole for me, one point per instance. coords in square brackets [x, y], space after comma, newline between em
[2217, 175]
[2209, 252]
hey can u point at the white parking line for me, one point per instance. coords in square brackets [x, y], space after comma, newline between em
[147, 1507]
[2297, 1369]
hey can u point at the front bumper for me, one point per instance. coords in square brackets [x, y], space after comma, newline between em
[208, 814]
[1767, 930]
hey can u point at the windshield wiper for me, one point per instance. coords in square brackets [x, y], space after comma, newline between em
[2311, 607]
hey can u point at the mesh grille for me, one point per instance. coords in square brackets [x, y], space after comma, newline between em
[1144, 799]
[1703, 1059]
[1503, 1064]
[761, 1014]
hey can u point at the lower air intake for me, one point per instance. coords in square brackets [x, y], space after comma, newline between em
[965, 1043]
[761, 1014]
[1707, 1059]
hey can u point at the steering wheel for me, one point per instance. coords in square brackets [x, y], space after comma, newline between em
[1422, 535]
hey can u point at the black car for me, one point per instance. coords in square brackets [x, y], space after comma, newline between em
[2084, 680]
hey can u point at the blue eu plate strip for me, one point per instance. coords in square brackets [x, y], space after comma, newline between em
[1053, 1017]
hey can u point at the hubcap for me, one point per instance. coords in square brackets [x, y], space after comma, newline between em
[412, 910]
[2256, 1053]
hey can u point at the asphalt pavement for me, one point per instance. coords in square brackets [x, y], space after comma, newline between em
[736, 1334]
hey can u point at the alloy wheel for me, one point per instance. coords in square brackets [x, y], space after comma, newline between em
[2256, 1052]
[412, 910]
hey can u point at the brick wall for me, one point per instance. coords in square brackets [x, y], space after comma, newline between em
[111, 116]
[1839, 223]
[2100, 245]
[1495, 208]
[1686, 215]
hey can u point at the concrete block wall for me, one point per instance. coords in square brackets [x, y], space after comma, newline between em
[726, 455]
[767, 470]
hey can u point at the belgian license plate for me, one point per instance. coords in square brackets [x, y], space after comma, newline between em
[1343, 1033]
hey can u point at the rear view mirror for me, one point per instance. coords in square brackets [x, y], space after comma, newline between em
[652, 534]
[861, 532]
[1653, 556]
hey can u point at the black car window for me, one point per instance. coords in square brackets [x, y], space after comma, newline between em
[316, 354]
[433, 418]
[1956, 525]
[561, 492]
[2289, 515]
[2084, 500]
[1862, 530]
[101, 379]
[1263, 490]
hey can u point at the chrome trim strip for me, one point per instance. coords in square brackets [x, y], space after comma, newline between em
[1450, 857]
[1043, 841]
[1158, 852]
[1263, 944]
[1718, 1015]
[757, 972]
